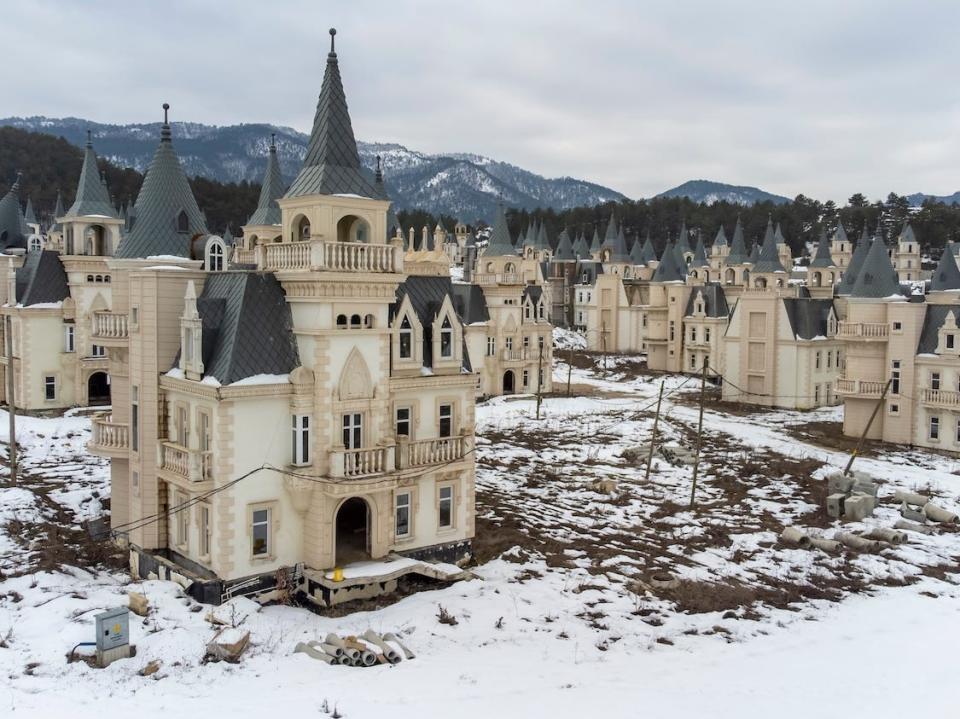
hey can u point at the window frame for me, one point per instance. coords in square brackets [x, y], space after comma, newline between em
[445, 413]
[69, 337]
[449, 500]
[301, 429]
[50, 388]
[397, 421]
[398, 506]
[268, 523]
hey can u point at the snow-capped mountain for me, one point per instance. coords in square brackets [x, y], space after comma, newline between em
[710, 192]
[917, 199]
[459, 184]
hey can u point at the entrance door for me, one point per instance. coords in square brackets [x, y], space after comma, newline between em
[353, 532]
[508, 382]
[98, 389]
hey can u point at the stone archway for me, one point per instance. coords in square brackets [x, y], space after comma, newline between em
[509, 382]
[352, 532]
[98, 389]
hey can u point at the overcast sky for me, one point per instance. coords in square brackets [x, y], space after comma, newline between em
[823, 98]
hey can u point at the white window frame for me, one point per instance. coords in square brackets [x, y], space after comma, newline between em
[397, 421]
[265, 521]
[445, 495]
[183, 521]
[98, 351]
[403, 503]
[300, 448]
[445, 412]
[405, 333]
[352, 426]
[204, 531]
[934, 428]
[447, 337]
[69, 337]
[50, 388]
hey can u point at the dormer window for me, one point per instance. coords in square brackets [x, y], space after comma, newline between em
[183, 222]
[215, 254]
[446, 339]
[950, 341]
[406, 339]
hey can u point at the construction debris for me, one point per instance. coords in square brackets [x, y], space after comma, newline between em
[851, 497]
[138, 604]
[913, 527]
[902, 495]
[227, 645]
[352, 652]
[914, 515]
[855, 541]
[938, 514]
[792, 535]
[884, 534]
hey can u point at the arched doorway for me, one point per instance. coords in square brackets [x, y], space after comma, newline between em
[351, 228]
[508, 382]
[98, 389]
[352, 532]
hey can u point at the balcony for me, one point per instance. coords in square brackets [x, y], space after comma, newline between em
[502, 278]
[188, 464]
[361, 463]
[244, 257]
[110, 328]
[109, 438]
[858, 387]
[863, 330]
[322, 256]
[514, 355]
[940, 397]
[428, 452]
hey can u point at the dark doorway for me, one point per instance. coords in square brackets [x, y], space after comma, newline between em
[98, 389]
[508, 382]
[353, 532]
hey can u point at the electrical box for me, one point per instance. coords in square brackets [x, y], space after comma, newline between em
[113, 635]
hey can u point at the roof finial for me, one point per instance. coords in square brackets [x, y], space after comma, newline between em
[379, 175]
[89, 138]
[333, 34]
[166, 107]
[273, 142]
[165, 128]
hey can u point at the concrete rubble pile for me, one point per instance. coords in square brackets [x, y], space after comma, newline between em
[367, 650]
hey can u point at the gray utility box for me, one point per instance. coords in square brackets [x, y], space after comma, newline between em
[113, 635]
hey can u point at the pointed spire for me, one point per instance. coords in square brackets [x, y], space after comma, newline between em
[840, 234]
[92, 196]
[947, 274]
[619, 251]
[228, 236]
[636, 252]
[823, 257]
[271, 190]
[778, 234]
[857, 259]
[648, 254]
[13, 229]
[332, 163]
[876, 279]
[769, 257]
[683, 241]
[611, 235]
[564, 248]
[738, 248]
[907, 234]
[500, 242]
[543, 243]
[378, 175]
[28, 215]
[700, 254]
[166, 214]
[754, 257]
[596, 243]
[581, 248]
[721, 239]
[668, 270]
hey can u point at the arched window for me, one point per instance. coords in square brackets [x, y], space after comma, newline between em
[354, 320]
[446, 338]
[89, 278]
[99, 278]
[106, 278]
[215, 254]
[183, 222]
[406, 339]
[509, 267]
[368, 321]
[35, 244]
[341, 321]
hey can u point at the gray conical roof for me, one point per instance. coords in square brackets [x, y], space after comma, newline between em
[947, 274]
[769, 258]
[823, 257]
[700, 254]
[28, 214]
[165, 193]
[564, 247]
[581, 248]
[840, 234]
[683, 240]
[907, 234]
[595, 244]
[721, 239]
[619, 252]
[778, 235]
[13, 229]
[738, 248]
[610, 238]
[636, 252]
[332, 164]
[877, 278]
[228, 237]
[543, 243]
[647, 253]
[529, 238]
[58, 212]
[754, 257]
[271, 190]
[849, 278]
[92, 196]
[669, 270]
[500, 243]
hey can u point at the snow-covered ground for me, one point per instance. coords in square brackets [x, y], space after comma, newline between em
[560, 620]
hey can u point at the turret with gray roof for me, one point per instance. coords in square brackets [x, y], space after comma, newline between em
[166, 212]
[849, 278]
[92, 197]
[618, 252]
[823, 257]
[907, 235]
[610, 237]
[28, 214]
[647, 253]
[778, 235]
[58, 212]
[332, 163]
[721, 239]
[840, 234]
[564, 251]
[738, 248]
[947, 275]
[877, 278]
[669, 270]
[596, 243]
[13, 228]
[581, 248]
[500, 243]
[271, 190]
[683, 240]
[768, 259]
[699, 254]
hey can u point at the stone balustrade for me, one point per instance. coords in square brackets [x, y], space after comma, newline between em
[940, 397]
[858, 387]
[320, 255]
[110, 325]
[109, 436]
[192, 465]
[424, 453]
[361, 463]
[863, 330]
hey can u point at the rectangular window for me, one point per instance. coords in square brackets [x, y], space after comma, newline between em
[934, 380]
[260, 532]
[403, 515]
[816, 394]
[403, 422]
[446, 339]
[706, 334]
[950, 341]
[301, 439]
[897, 326]
[183, 427]
[672, 331]
[134, 315]
[69, 338]
[353, 430]
[540, 344]
[135, 418]
[446, 507]
[693, 334]
[829, 359]
[526, 379]
[816, 360]
[446, 420]
[509, 342]
[957, 438]
[98, 351]
[206, 439]
[205, 530]
[491, 346]
[526, 343]
[643, 320]
[934, 428]
[406, 339]
[49, 388]
[894, 409]
[693, 361]
[135, 483]
[183, 520]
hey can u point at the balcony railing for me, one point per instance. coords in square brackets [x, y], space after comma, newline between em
[863, 330]
[361, 463]
[501, 278]
[110, 326]
[319, 255]
[942, 397]
[244, 257]
[432, 451]
[858, 387]
[109, 436]
[511, 355]
[192, 465]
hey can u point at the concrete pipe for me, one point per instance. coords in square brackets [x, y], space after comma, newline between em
[915, 515]
[827, 545]
[332, 650]
[792, 535]
[855, 541]
[391, 637]
[368, 658]
[302, 648]
[885, 534]
[344, 661]
[391, 654]
[938, 514]
[664, 580]
[913, 527]
[334, 640]
[902, 495]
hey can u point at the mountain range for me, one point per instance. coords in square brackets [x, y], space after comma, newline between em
[917, 198]
[460, 185]
[709, 192]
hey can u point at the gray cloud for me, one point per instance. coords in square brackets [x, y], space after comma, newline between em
[818, 97]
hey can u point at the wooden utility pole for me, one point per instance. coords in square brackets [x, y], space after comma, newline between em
[569, 367]
[876, 408]
[11, 403]
[603, 345]
[653, 437]
[696, 458]
[540, 376]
